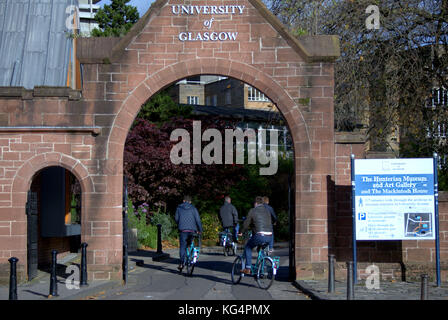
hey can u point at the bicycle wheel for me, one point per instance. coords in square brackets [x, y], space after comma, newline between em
[228, 251]
[234, 248]
[236, 270]
[185, 261]
[190, 264]
[265, 273]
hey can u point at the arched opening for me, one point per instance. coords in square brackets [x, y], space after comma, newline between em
[232, 104]
[302, 200]
[53, 218]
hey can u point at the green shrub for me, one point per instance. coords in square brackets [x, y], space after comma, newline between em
[148, 236]
[281, 229]
[134, 218]
[211, 226]
[146, 233]
[167, 224]
[244, 193]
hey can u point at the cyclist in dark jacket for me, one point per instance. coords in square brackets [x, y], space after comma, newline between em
[189, 222]
[260, 219]
[274, 220]
[229, 216]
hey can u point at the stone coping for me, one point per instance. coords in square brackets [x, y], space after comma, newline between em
[40, 91]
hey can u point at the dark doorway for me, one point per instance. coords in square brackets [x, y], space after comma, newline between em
[54, 217]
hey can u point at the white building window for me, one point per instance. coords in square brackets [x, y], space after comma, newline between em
[87, 12]
[439, 97]
[255, 95]
[192, 100]
[438, 130]
[228, 97]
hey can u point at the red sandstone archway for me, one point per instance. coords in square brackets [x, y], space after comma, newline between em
[24, 175]
[296, 74]
[244, 72]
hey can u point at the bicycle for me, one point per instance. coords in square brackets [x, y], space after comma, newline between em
[229, 246]
[264, 269]
[192, 253]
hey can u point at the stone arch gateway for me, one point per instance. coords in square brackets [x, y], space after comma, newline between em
[173, 40]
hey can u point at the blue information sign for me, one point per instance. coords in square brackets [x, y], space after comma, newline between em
[394, 199]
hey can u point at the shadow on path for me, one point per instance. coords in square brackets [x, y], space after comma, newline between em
[217, 265]
[36, 293]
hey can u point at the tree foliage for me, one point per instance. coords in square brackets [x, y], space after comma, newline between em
[161, 108]
[153, 178]
[384, 76]
[116, 19]
[302, 17]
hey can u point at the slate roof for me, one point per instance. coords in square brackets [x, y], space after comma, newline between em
[34, 47]
[239, 113]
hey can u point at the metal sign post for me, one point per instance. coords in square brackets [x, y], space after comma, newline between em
[436, 218]
[352, 160]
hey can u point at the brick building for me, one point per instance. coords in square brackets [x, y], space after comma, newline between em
[83, 131]
[220, 91]
[233, 99]
[87, 12]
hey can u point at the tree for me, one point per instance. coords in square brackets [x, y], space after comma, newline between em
[161, 108]
[303, 17]
[116, 19]
[154, 179]
[384, 76]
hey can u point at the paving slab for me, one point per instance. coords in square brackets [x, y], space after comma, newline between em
[388, 290]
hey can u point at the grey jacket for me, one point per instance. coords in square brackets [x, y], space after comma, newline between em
[228, 215]
[260, 218]
[187, 217]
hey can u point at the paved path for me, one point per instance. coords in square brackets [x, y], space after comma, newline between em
[161, 281]
[210, 281]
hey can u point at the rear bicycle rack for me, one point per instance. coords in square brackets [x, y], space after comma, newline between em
[276, 261]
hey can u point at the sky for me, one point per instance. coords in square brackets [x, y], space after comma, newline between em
[142, 5]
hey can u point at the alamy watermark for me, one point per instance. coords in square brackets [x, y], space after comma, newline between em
[72, 22]
[373, 280]
[72, 281]
[213, 151]
[373, 20]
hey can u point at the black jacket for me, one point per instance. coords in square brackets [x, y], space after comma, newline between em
[187, 217]
[260, 218]
[228, 215]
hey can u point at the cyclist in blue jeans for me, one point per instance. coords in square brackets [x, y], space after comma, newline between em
[189, 222]
[259, 218]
